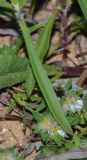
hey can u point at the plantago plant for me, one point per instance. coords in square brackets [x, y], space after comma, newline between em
[37, 69]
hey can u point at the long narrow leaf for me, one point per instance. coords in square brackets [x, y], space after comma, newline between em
[5, 4]
[43, 41]
[31, 30]
[42, 46]
[83, 6]
[43, 81]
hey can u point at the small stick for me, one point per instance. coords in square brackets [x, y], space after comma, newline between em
[82, 78]
[74, 154]
[9, 32]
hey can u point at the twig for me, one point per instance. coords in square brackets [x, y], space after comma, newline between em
[8, 117]
[82, 78]
[4, 116]
[74, 154]
[10, 32]
[81, 54]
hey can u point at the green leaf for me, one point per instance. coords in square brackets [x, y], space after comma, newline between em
[12, 63]
[68, 85]
[76, 140]
[7, 49]
[43, 81]
[36, 98]
[46, 137]
[37, 26]
[12, 79]
[13, 67]
[11, 106]
[22, 96]
[33, 4]
[74, 119]
[5, 4]
[70, 145]
[42, 46]
[22, 2]
[24, 119]
[32, 29]
[12, 70]
[18, 4]
[41, 106]
[37, 116]
[83, 6]
[19, 100]
[56, 77]
[51, 70]
[58, 140]
[50, 149]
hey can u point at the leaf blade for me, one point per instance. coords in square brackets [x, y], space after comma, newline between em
[42, 46]
[83, 6]
[43, 81]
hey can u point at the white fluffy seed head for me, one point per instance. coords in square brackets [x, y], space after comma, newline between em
[72, 105]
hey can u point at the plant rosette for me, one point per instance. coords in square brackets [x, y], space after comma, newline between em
[49, 129]
[73, 99]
